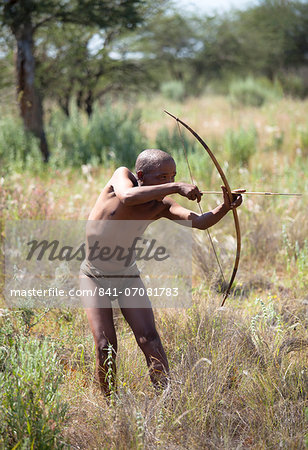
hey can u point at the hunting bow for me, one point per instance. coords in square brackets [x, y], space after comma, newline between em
[226, 184]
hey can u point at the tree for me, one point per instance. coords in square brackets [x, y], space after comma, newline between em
[25, 17]
[265, 40]
[167, 45]
[219, 51]
[273, 36]
[81, 66]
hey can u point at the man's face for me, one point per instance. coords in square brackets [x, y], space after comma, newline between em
[164, 173]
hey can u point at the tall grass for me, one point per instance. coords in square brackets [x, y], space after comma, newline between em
[233, 385]
[31, 408]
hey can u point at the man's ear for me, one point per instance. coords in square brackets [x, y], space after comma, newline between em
[140, 175]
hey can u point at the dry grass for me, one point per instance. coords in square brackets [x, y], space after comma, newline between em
[233, 385]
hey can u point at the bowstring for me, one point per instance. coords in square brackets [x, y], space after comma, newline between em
[200, 208]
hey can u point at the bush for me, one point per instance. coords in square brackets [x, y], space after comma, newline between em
[19, 150]
[174, 144]
[109, 137]
[31, 410]
[173, 90]
[171, 141]
[240, 145]
[253, 92]
[293, 85]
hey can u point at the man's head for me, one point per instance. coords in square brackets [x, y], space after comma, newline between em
[155, 166]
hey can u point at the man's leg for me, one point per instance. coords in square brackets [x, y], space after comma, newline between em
[100, 318]
[141, 321]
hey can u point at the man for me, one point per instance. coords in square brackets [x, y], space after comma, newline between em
[142, 197]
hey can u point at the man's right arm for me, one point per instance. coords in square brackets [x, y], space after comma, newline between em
[123, 182]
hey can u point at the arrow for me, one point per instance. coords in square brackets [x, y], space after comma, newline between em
[251, 193]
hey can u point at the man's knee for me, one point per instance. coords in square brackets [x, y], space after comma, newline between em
[149, 340]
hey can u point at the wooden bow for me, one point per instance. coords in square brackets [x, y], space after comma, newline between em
[226, 184]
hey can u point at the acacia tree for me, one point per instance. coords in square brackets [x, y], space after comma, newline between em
[85, 67]
[168, 44]
[24, 17]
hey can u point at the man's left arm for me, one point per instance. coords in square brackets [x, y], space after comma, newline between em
[174, 211]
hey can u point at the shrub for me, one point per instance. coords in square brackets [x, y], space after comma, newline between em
[174, 143]
[240, 145]
[109, 137]
[293, 85]
[31, 410]
[253, 92]
[19, 150]
[173, 90]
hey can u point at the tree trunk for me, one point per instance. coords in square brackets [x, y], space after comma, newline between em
[64, 105]
[79, 99]
[28, 97]
[89, 103]
[64, 102]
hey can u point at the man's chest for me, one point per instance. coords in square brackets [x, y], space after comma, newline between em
[147, 211]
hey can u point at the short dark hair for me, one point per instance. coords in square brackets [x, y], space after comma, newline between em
[151, 159]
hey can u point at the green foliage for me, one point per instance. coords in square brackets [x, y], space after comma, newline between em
[272, 36]
[253, 92]
[19, 150]
[88, 13]
[293, 85]
[140, 430]
[268, 317]
[174, 142]
[110, 374]
[240, 145]
[173, 90]
[304, 140]
[171, 142]
[31, 409]
[296, 257]
[301, 261]
[110, 137]
[167, 44]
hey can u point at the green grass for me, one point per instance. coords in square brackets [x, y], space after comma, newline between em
[31, 408]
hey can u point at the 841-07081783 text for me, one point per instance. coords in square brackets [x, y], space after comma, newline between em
[140, 291]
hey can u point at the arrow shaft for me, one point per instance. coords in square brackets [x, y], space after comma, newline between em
[251, 193]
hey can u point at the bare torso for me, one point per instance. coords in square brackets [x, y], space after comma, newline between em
[112, 223]
[109, 207]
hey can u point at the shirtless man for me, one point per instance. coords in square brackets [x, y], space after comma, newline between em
[144, 196]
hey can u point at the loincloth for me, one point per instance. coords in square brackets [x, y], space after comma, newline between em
[111, 283]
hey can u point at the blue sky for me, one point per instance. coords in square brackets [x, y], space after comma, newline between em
[211, 6]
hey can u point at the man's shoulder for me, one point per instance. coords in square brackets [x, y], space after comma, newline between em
[124, 172]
